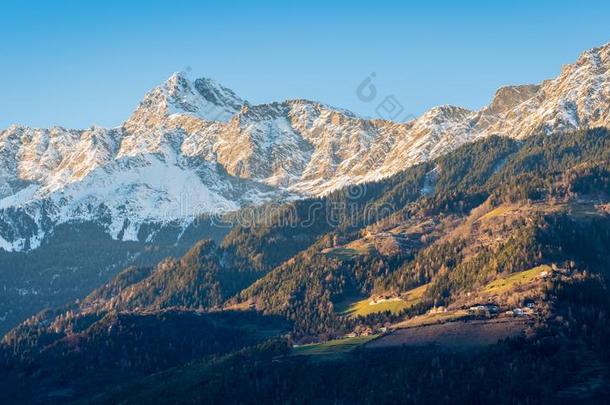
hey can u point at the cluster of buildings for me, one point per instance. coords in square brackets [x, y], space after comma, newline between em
[491, 309]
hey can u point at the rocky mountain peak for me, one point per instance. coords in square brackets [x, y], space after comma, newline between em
[204, 99]
[508, 97]
[445, 112]
[597, 57]
[198, 140]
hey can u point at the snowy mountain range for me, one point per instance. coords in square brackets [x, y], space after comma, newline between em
[195, 147]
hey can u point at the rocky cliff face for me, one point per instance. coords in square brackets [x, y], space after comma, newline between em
[195, 147]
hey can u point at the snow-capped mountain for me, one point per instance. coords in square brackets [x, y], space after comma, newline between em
[195, 147]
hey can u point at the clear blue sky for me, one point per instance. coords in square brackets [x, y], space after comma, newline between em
[77, 63]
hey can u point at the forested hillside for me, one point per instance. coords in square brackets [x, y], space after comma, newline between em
[497, 234]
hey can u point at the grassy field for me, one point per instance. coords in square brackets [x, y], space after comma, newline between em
[351, 250]
[364, 307]
[332, 347]
[433, 318]
[341, 253]
[362, 246]
[509, 282]
[455, 335]
[413, 296]
[501, 210]
[395, 305]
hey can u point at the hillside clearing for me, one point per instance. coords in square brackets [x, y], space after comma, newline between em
[332, 347]
[509, 282]
[372, 305]
[456, 335]
[431, 318]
